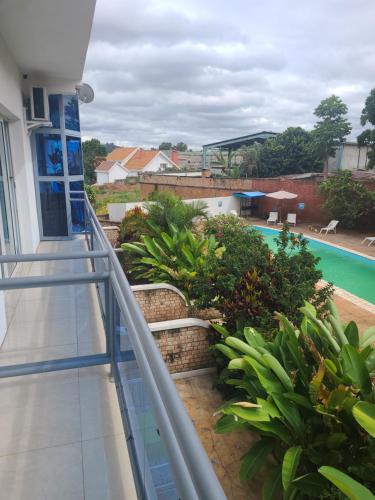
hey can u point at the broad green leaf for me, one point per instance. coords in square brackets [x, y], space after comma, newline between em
[272, 484]
[227, 423]
[253, 338]
[278, 370]
[351, 488]
[239, 364]
[368, 337]
[269, 407]
[227, 351]
[364, 413]
[336, 398]
[351, 333]
[298, 399]
[248, 414]
[132, 247]
[290, 465]
[274, 428]
[241, 346]
[167, 240]
[151, 247]
[370, 361]
[332, 308]
[255, 459]
[220, 329]
[268, 380]
[355, 368]
[290, 412]
[315, 384]
[337, 328]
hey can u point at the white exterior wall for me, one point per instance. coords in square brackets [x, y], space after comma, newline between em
[215, 206]
[11, 109]
[354, 158]
[115, 174]
[154, 165]
[102, 178]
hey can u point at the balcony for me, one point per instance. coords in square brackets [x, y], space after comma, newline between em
[88, 409]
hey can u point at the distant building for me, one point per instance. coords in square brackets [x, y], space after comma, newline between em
[187, 160]
[349, 157]
[129, 162]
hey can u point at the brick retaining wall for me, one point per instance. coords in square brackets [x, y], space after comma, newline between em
[185, 349]
[161, 305]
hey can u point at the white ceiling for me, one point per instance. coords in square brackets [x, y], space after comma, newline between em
[48, 37]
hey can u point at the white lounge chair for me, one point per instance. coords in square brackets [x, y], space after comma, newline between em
[292, 219]
[370, 239]
[331, 227]
[273, 218]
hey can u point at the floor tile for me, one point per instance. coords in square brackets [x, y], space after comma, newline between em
[107, 469]
[48, 474]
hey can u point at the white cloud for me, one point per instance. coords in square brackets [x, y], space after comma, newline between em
[202, 71]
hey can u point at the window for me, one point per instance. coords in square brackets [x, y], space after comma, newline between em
[53, 208]
[163, 166]
[73, 148]
[49, 154]
[76, 186]
[54, 110]
[71, 112]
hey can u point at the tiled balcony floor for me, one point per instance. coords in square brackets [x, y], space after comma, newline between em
[61, 432]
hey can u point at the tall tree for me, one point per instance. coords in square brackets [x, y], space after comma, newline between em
[292, 152]
[164, 146]
[180, 146]
[367, 137]
[332, 127]
[90, 150]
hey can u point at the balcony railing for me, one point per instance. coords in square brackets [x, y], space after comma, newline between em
[167, 457]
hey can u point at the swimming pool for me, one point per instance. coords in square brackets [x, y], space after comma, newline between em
[347, 270]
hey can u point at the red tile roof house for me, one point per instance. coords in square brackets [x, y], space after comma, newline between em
[129, 162]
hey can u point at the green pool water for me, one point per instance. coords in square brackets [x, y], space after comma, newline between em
[349, 271]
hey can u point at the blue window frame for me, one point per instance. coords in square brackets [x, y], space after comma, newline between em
[54, 110]
[74, 152]
[49, 154]
[71, 112]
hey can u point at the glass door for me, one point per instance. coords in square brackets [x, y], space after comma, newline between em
[9, 236]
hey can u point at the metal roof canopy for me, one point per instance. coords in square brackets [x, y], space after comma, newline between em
[249, 194]
[244, 140]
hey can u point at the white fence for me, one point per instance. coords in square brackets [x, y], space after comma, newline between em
[215, 206]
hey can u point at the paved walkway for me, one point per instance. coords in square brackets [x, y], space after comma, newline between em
[61, 432]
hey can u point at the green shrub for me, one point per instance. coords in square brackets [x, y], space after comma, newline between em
[174, 257]
[309, 395]
[167, 208]
[134, 225]
[248, 283]
[91, 194]
[348, 201]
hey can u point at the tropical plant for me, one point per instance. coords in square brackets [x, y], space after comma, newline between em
[134, 225]
[166, 208]
[91, 149]
[248, 283]
[348, 200]
[174, 257]
[309, 395]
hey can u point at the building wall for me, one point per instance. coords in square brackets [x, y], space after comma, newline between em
[155, 164]
[192, 188]
[160, 304]
[102, 178]
[117, 173]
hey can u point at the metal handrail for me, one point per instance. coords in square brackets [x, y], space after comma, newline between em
[194, 474]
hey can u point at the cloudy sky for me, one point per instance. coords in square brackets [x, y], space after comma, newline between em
[203, 70]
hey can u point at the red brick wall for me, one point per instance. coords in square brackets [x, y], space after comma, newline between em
[307, 190]
[185, 349]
